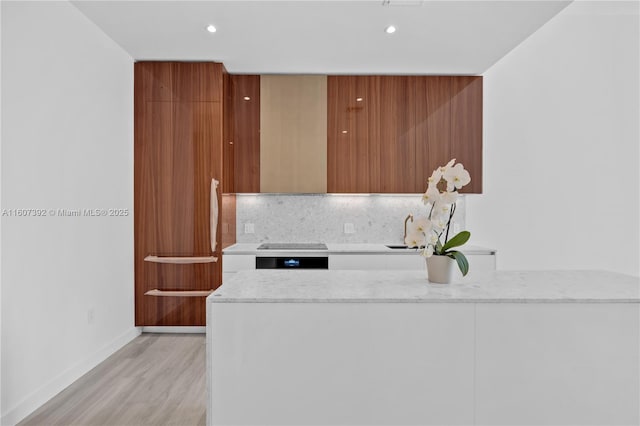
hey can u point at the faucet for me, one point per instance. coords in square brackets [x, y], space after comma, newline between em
[409, 217]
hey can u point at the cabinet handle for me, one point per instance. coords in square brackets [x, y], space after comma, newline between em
[181, 259]
[178, 293]
[213, 215]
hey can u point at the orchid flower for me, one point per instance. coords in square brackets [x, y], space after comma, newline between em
[438, 221]
[422, 224]
[434, 178]
[456, 177]
[426, 231]
[445, 168]
[428, 251]
[431, 196]
[414, 239]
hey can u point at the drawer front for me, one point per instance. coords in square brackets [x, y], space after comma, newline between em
[238, 262]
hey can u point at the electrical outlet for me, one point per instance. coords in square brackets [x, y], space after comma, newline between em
[249, 228]
[90, 316]
[349, 228]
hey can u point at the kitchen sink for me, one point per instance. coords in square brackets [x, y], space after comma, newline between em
[401, 247]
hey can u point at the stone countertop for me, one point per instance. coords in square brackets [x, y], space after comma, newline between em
[318, 286]
[252, 248]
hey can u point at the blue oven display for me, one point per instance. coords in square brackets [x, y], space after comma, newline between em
[305, 262]
[292, 263]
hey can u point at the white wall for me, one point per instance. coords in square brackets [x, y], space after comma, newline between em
[67, 143]
[561, 145]
[0, 223]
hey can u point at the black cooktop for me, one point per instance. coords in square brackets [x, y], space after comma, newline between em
[292, 246]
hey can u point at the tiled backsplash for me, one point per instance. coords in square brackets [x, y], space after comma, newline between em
[375, 218]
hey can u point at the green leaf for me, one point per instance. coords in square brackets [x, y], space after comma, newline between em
[457, 240]
[462, 261]
[438, 247]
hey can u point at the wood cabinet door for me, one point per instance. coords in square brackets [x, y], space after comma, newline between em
[433, 126]
[353, 151]
[176, 159]
[396, 130]
[246, 132]
[177, 151]
[386, 134]
[466, 128]
[197, 81]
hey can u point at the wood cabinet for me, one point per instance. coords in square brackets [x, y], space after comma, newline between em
[466, 127]
[388, 133]
[178, 150]
[385, 134]
[352, 142]
[246, 132]
[433, 127]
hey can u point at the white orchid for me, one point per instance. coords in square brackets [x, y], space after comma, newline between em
[456, 177]
[414, 239]
[448, 198]
[431, 196]
[432, 239]
[434, 178]
[422, 224]
[439, 221]
[426, 231]
[442, 206]
[445, 168]
[427, 251]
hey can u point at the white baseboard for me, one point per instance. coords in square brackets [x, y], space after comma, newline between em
[64, 379]
[175, 329]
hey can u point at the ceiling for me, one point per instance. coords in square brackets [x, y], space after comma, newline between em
[324, 37]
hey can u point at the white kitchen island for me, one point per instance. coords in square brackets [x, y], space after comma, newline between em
[386, 347]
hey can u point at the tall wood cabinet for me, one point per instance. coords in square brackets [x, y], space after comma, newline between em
[178, 150]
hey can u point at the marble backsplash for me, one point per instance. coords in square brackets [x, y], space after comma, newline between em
[376, 218]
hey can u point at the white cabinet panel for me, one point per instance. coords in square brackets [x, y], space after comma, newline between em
[357, 261]
[405, 262]
[340, 364]
[238, 262]
[557, 364]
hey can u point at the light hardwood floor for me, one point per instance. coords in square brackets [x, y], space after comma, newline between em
[157, 379]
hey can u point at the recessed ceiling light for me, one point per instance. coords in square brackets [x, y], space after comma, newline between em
[246, 98]
[344, 131]
[358, 99]
[390, 29]
[211, 29]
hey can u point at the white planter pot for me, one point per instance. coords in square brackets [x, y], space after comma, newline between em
[440, 269]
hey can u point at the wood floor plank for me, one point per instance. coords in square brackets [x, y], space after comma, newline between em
[157, 379]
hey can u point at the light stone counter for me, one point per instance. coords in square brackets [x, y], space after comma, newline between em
[252, 248]
[506, 348]
[413, 287]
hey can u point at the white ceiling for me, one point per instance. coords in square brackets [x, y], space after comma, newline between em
[324, 37]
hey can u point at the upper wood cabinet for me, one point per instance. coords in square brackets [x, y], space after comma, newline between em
[466, 127]
[387, 134]
[246, 132]
[293, 133]
[384, 134]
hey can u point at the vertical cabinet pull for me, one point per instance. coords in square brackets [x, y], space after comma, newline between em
[213, 215]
